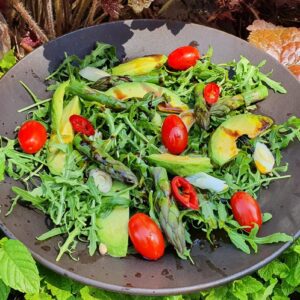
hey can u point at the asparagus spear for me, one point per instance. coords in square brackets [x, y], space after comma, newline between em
[115, 168]
[88, 94]
[105, 83]
[168, 213]
[105, 162]
[201, 112]
[225, 105]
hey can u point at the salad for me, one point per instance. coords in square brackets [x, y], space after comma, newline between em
[140, 155]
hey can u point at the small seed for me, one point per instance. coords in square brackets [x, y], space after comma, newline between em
[102, 249]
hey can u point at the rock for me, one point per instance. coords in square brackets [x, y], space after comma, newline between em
[283, 43]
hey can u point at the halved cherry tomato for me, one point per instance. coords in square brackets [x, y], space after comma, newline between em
[184, 193]
[32, 136]
[82, 125]
[174, 134]
[146, 236]
[211, 93]
[246, 210]
[183, 58]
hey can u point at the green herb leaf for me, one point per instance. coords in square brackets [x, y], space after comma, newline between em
[239, 241]
[266, 217]
[18, 269]
[277, 237]
[276, 86]
[208, 214]
[27, 196]
[51, 233]
[222, 212]
[2, 165]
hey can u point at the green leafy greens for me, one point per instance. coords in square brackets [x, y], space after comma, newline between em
[125, 139]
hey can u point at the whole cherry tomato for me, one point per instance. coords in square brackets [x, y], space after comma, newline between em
[146, 236]
[174, 134]
[82, 125]
[183, 58]
[32, 136]
[184, 193]
[211, 93]
[246, 210]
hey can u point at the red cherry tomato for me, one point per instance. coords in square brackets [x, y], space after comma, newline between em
[146, 236]
[32, 136]
[246, 210]
[183, 58]
[174, 134]
[82, 125]
[184, 193]
[211, 93]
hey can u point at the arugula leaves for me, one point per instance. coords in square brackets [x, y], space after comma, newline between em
[103, 56]
[71, 200]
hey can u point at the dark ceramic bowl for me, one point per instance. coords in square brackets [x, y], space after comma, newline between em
[169, 275]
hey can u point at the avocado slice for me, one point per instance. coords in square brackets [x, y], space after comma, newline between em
[65, 129]
[128, 90]
[181, 165]
[58, 105]
[55, 157]
[140, 65]
[113, 228]
[222, 146]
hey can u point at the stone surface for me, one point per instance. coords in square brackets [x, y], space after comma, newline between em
[283, 43]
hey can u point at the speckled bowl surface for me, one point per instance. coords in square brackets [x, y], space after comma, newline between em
[132, 274]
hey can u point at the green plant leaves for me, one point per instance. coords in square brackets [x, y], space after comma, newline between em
[39, 296]
[18, 269]
[7, 62]
[267, 217]
[274, 268]
[273, 238]
[238, 241]
[4, 290]
[247, 285]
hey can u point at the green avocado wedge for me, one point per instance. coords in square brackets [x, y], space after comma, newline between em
[63, 134]
[113, 228]
[222, 146]
[181, 165]
[140, 65]
[129, 90]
